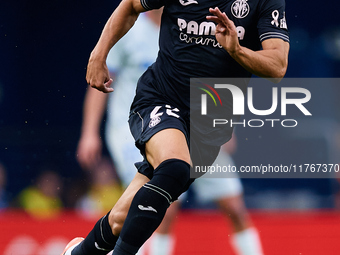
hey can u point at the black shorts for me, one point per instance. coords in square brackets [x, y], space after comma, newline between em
[150, 120]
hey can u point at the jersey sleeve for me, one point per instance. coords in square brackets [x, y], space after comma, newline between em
[152, 4]
[272, 20]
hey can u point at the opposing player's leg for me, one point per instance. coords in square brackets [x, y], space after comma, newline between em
[104, 235]
[234, 208]
[228, 194]
[162, 242]
[245, 238]
[167, 151]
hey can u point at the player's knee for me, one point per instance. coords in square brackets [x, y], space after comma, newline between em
[173, 176]
[237, 216]
[174, 168]
[234, 208]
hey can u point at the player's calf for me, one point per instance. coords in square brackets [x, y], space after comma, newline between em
[150, 203]
[99, 241]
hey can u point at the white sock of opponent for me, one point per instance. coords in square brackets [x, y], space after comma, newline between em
[247, 242]
[161, 244]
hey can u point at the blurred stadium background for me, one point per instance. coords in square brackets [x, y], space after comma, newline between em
[44, 48]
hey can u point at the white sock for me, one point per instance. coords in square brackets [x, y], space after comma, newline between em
[247, 242]
[161, 244]
[141, 249]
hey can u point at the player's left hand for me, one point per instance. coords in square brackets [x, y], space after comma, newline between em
[226, 33]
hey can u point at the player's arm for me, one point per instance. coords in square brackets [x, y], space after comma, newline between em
[271, 62]
[90, 144]
[120, 22]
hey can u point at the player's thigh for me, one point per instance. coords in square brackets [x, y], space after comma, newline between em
[161, 133]
[121, 208]
[214, 189]
[167, 144]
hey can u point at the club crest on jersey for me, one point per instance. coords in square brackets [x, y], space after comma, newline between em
[154, 121]
[240, 9]
[187, 2]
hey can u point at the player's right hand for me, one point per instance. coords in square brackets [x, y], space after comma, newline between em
[97, 75]
[226, 33]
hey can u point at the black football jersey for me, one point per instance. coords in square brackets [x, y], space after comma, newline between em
[188, 47]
